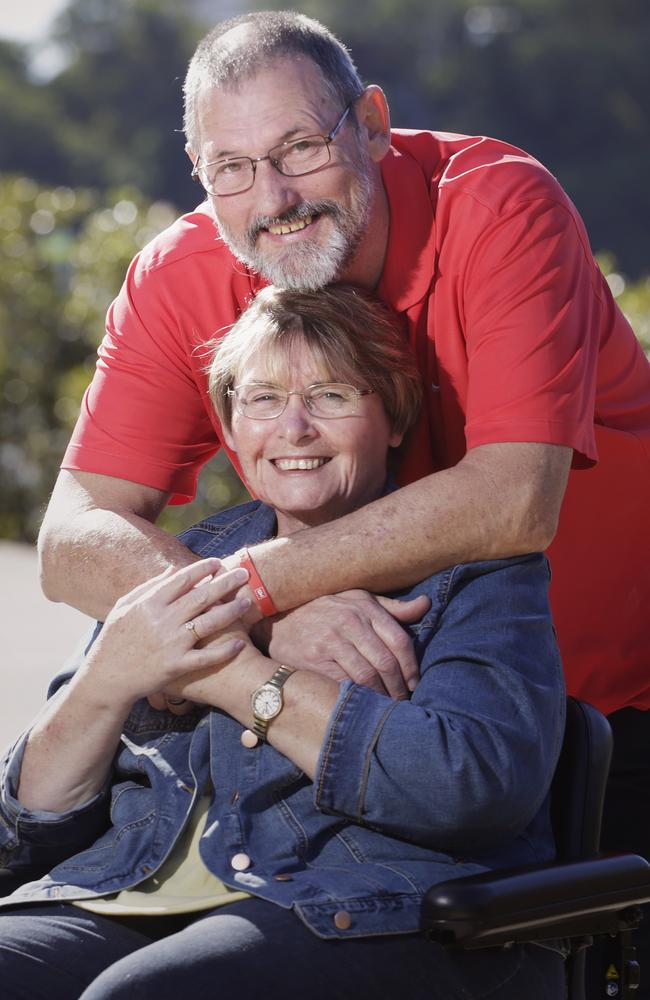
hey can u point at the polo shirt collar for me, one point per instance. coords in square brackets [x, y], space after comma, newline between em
[410, 258]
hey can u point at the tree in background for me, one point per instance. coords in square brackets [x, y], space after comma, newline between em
[566, 80]
[64, 255]
[113, 116]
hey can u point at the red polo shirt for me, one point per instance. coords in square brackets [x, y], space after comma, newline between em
[517, 337]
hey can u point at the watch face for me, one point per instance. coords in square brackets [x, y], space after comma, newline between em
[267, 702]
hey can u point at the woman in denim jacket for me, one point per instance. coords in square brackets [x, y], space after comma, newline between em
[279, 841]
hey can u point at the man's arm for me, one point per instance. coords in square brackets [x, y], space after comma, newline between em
[500, 500]
[99, 540]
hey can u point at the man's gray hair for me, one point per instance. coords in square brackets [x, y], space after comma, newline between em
[221, 61]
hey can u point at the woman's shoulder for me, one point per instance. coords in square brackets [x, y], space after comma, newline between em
[482, 581]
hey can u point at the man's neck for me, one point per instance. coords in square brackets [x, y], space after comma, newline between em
[367, 264]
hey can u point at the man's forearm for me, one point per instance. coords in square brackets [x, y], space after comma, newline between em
[98, 541]
[501, 500]
[103, 556]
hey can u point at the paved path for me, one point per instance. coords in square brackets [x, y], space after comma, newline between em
[36, 635]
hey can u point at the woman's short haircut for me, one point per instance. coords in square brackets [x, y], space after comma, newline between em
[353, 338]
[221, 61]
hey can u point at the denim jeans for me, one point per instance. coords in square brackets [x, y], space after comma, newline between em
[247, 950]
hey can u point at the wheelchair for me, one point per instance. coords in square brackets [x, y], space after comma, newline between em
[579, 897]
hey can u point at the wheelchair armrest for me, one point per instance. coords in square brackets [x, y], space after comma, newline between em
[541, 902]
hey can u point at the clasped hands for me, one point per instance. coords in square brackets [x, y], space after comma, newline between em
[348, 635]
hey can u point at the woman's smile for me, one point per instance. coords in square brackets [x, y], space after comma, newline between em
[298, 464]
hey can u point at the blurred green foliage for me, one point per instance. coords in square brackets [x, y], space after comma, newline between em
[64, 256]
[92, 165]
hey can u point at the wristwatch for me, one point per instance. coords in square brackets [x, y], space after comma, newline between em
[267, 701]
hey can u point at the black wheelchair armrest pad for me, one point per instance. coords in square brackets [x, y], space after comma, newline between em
[539, 902]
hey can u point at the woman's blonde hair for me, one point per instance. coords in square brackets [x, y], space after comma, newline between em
[352, 336]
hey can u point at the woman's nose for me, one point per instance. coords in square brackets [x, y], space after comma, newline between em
[296, 422]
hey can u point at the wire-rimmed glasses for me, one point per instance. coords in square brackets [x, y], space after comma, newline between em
[262, 401]
[293, 158]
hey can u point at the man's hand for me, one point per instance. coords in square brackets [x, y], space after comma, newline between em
[352, 634]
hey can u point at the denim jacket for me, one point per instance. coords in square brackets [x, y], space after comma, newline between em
[407, 793]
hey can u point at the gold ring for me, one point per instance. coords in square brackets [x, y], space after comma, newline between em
[191, 627]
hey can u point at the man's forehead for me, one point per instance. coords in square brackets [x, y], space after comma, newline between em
[279, 72]
[279, 99]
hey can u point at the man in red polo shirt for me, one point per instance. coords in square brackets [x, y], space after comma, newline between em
[533, 377]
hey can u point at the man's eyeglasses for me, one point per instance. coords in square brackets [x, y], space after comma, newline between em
[260, 401]
[293, 158]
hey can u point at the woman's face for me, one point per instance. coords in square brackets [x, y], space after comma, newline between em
[311, 469]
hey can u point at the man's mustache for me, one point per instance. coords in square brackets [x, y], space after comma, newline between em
[297, 213]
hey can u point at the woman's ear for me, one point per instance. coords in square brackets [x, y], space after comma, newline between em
[395, 439]
[372, 114]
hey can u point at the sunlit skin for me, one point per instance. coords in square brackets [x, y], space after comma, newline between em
[284, 101]
[352, 450]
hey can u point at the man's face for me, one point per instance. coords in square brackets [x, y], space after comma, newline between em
[299, 232]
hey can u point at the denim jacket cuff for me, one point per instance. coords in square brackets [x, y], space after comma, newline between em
[346, 755]
[13, 811]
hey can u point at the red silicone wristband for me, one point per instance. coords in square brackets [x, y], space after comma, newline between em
[260, 593]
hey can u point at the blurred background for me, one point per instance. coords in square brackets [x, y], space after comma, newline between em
[92, 166]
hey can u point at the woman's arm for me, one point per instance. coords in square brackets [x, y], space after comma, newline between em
[143, 647]
[309, 699]
[471, 754]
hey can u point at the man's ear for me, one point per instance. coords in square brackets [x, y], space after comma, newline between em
[192, 155]
[372, 114]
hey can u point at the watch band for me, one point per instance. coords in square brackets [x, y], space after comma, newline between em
[261, 724]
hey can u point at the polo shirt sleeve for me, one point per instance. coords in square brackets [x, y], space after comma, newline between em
[145, 416]
[533, 305]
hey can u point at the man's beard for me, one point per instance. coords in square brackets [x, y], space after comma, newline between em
[308, 265]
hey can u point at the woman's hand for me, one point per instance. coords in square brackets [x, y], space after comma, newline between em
[147, 643]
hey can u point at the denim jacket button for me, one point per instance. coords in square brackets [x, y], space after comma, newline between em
[240, 862]
[249, 739]
[342, 920]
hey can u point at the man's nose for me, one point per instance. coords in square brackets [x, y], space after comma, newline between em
[273, 192]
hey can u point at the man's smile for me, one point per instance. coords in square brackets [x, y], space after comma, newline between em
[282, 228]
